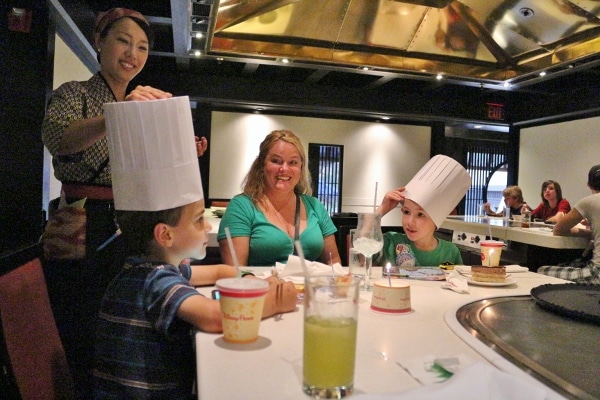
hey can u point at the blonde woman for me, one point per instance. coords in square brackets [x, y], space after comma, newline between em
[276, 209]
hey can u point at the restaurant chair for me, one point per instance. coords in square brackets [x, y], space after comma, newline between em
[32, 358]
[219, 203]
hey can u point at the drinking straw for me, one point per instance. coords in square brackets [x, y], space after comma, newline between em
[301, 255]
[389, 267]
[490, 228]
[232, 250]
[375, 198]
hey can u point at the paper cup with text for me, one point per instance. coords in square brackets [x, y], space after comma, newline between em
[491, 250]
[242, 302]
[393, 299]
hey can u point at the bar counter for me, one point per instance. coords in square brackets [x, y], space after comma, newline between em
[538, 234]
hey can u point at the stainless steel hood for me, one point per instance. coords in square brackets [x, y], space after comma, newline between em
[498, 42]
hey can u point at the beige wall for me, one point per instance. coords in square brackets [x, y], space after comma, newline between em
[562, 152]
[384, 153]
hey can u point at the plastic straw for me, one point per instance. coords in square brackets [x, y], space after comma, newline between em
[490, 228]
[301, 255]
[375, 199]
[389, 267]
[232, 251]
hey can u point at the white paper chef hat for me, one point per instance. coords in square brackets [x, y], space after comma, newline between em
[152, 154]
[438, 187]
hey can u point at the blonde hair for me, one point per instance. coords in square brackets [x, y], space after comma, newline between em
[513, 192]
[254, 184]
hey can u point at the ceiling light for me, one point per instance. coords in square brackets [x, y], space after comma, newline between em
[365, 68]
[506, 84]
[386, 118]
[543, 73]
[198, 35]
[439, 77]
[478, 126]
[284, 60]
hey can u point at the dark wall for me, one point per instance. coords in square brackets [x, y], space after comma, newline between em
[25, 70]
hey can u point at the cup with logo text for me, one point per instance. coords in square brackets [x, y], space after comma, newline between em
[491, 250]
[242, 302]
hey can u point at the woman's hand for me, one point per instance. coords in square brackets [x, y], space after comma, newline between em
[141, 93]
[391, 200]
[281, 297]
[201, 145]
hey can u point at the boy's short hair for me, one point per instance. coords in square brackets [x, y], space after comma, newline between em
[138, 227]
[594, 177]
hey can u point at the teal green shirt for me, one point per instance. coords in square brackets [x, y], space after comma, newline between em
[399, 250]
[268, 243]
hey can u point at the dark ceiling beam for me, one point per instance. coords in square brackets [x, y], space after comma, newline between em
[70, 33]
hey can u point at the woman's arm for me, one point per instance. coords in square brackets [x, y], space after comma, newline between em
[82, 134]
[241, 245]
[330, 254]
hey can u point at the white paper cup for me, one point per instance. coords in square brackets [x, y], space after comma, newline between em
[242, 302]
[491, 250]
[391, 299]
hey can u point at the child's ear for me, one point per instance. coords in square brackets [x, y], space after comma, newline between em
[163, 234]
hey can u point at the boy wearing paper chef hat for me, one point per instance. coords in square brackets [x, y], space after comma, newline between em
[150, 307]
[426, 201]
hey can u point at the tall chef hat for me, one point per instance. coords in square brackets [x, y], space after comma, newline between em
[152, 154]
[438, 187]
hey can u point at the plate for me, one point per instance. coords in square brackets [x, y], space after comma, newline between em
[507, 282]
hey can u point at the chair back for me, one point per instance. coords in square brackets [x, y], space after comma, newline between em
[30, 339]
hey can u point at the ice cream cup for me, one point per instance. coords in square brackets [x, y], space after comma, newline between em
[242, 302]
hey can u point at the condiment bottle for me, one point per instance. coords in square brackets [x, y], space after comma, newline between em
[526, 218]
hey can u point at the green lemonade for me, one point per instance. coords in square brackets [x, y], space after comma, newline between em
[329, 352]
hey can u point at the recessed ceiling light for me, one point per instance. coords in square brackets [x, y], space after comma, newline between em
[285, 60]
[506, 84]
[478, 126]
[439, 77]
[386, 118]
[543, 73]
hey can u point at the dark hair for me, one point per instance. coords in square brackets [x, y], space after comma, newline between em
[138, 227]
[557, 189]
[594, 178]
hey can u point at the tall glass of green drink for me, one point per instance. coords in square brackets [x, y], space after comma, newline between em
[330, 321]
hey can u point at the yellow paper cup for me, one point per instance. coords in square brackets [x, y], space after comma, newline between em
[242, 302]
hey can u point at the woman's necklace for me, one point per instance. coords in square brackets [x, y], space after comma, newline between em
[281, 220]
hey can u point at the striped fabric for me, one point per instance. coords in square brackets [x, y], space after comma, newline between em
[143, 350]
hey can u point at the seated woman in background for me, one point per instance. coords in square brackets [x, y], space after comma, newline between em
[276, 209]
[588, 208]
[553, 207]
[513, 198]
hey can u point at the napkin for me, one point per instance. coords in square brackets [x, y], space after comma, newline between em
[293, 272]
[457, 282]
[510, 269]
[478, 381]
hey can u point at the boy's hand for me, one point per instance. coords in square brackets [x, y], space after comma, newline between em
[391, 200]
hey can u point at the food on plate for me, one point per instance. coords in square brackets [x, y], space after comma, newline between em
[488, 274]
[447, 265]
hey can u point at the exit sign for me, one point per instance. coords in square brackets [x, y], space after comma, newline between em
[495, 111]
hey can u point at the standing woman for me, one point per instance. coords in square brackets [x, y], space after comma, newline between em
[553, 207]
[276, 209]
[74, 131]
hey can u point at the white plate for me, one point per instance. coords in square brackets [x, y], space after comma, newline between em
[507, 282]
